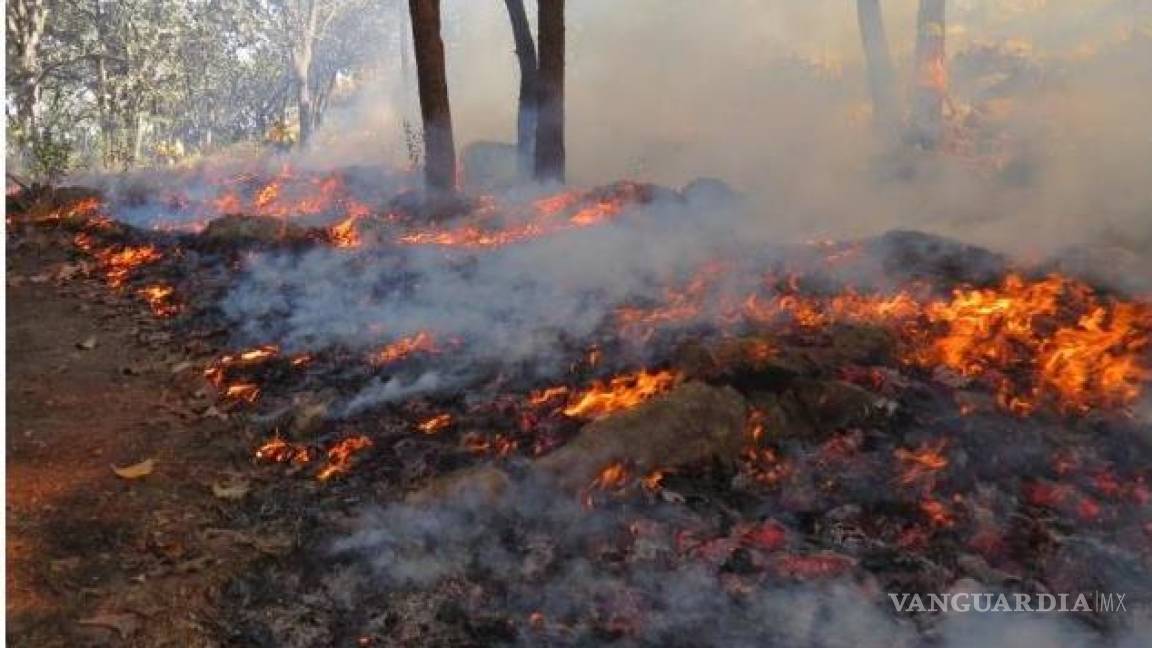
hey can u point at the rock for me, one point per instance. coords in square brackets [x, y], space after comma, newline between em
[750, 362]
[859, 344]
[910, 255]
[691, 423]
[237, 229]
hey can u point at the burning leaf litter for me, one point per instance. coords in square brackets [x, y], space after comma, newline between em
[837, 388]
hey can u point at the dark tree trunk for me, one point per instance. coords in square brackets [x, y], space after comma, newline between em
[439, 148]
[881, 78]
[550, 116]
[931, 84]
[526, 111]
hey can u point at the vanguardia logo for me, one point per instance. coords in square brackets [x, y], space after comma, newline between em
[1098, 602]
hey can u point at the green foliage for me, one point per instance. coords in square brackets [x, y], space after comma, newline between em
[121, 83]
[49, 157]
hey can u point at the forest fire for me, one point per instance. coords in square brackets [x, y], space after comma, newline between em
[436, 393]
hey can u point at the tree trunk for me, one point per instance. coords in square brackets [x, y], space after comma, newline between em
[881, 78]
[304, 108]
[550, 117]
[931, 83]
[526, 110]
[432, 78]
[25, 30]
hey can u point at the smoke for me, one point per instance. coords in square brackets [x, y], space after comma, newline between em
[771, 97]
[521, 303]
[534, 550]
[534, 543]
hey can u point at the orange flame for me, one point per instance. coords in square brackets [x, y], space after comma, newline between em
[160, 299]
[435, 424]
[340, 456]
[1049, 340]
[421, 342]
[621, 392]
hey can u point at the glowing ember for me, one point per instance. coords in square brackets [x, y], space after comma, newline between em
[621, 392]
[498, 445]
[435, 424]
[922, 464]
[340, 456]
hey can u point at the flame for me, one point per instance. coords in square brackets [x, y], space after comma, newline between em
[421, 342]
[435, 424]
[547, 218]
[621, 392]
[545, 396]
[243, 391]
[612, 477]
[160, 298]
[278, 450]
[340, 456]
[119, 265]
[1052, 340]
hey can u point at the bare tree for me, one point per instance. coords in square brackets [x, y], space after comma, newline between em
[881, 78]
[550, 157]
[431, 76]
[526, 110]
[931, 82]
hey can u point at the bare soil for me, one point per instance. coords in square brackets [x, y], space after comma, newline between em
[93, 558]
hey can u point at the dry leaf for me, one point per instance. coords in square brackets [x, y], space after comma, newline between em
[87, 345]
[124, 623]
[135, 471]
[230, 491]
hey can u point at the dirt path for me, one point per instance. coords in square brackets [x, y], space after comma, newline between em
[94, 559]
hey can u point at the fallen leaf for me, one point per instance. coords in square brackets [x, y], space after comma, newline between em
[88, 344]
[230, 491]
[135, 471]
[124, 623]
